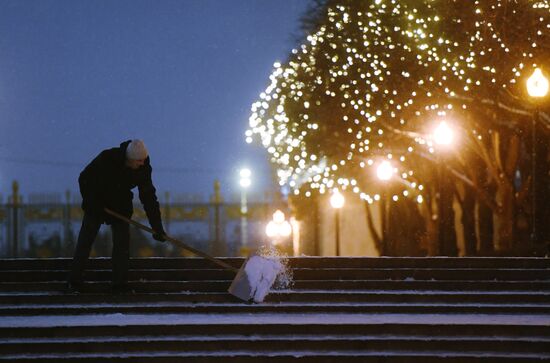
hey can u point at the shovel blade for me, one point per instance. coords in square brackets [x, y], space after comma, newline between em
[255, 278]
[240, 287]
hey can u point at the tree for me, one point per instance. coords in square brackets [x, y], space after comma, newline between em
[368, 83]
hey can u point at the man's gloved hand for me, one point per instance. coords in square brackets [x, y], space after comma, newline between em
[160, 236]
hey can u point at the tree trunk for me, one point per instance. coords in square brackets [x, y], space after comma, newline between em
[469, 222]
[485, 229]
[542, 199]
[505, 216]
[447, 232]
[372, 229]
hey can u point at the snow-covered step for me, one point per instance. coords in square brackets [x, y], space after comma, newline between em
[223, 285]
[353, 309]
[299, 273]
[390, 355]
[193, 307]
[271, 343]
[258, 345]
[213, 337]
[291, 295]
[51, 344]
[521, 326]
[423, 274]
[295, 262]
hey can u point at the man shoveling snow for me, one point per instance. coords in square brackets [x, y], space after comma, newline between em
[254, 279]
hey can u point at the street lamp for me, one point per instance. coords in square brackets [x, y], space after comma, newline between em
[384, 172]
[537, 88]
[278, 228]
[443, 136]
[245, 182]
[537, 84]
[337, 201]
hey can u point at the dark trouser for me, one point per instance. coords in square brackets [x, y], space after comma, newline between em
[121, 249]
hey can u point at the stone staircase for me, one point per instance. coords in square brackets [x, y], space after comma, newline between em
[338, 309]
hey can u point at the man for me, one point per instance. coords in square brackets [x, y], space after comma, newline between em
[106, 183]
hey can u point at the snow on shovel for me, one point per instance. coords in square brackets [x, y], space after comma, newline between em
[253, 280]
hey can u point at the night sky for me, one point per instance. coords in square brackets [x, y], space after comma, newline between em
[77, 77]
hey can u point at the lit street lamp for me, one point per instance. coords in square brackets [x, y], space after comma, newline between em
[278, 228]
[337, 201]
[245, 182]
[537, 87]
[443, 136]
[384, 172]
[537, 84]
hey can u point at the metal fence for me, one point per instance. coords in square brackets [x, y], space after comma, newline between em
[51, 229]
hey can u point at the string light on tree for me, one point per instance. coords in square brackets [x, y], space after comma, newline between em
[372, 74]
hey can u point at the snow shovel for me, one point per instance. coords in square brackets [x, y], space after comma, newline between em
[253, 280]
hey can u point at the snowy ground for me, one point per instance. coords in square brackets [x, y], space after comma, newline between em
[258, 318]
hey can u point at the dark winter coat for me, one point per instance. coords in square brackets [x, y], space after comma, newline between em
[107, 182]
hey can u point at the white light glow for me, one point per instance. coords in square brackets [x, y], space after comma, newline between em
[337, 200]
[443, 134]
[537, 84]
[245, 180]
[384, 171]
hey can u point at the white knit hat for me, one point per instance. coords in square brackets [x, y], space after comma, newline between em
[136, 150]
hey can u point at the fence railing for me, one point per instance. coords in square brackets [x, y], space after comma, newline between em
[51, 230]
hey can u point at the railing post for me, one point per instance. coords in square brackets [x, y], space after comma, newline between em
[3, 246]
[217, 200]
[68, 238]
[167, 210]
[16, 200]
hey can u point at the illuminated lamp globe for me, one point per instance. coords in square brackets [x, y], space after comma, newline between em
[271, 229]
[443, 134]
[285, 229]
[537, 84]
[245, 181]
[278, 217]
[245, 173]
[384, 171]
[337, 200]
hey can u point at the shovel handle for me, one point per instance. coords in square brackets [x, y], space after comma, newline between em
[172, 240]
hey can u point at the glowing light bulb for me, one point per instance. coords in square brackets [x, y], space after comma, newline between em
[337, 200]
[443, 134]
[384, 171]
[537, 84]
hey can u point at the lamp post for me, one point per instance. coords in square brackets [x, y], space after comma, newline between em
[443, 137]
[278, 228]
[537, 88]
[245, 182]
[384, 172]
[337, 201]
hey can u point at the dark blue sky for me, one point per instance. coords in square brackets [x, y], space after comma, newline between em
[80, 76]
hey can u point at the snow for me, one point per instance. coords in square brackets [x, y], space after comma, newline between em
[305, 291]
[272, 318]
[273, 305]
[288, 354]
[262, 272]
[274, 337]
